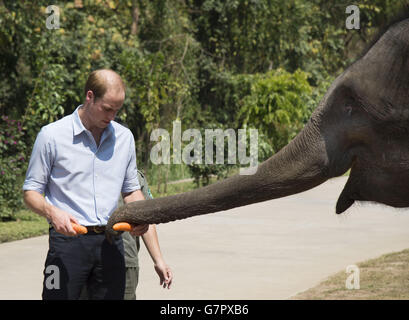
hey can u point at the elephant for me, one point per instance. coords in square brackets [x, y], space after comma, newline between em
[361, 124]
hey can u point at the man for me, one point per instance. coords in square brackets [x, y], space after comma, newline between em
[82, 163]
[131, 249]
[131, 246]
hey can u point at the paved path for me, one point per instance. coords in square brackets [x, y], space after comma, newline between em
[270, 250]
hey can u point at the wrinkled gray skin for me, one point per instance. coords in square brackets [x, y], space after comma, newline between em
[361, 123]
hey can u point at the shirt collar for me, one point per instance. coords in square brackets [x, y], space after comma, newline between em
[78, 127]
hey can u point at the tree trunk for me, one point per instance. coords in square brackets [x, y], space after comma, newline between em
[135, 18]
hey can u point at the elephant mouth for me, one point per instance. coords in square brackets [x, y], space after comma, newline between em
[369, 182]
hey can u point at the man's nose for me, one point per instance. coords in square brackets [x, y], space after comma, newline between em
[112, 116]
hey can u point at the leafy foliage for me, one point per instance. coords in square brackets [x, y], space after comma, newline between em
[278, 105]
[230, 64]
[12, 165]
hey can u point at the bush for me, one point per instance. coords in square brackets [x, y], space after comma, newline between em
[279, 105]
[13, 165]
[202, 167]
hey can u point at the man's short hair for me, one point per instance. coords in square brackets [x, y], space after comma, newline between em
[97, 82]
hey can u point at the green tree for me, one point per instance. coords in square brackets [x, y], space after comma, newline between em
[278, 105]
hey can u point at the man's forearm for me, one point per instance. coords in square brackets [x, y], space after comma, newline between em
[150, 238]
[36, 202]
[60, 220]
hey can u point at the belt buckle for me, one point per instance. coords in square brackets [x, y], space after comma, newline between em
[97, 229]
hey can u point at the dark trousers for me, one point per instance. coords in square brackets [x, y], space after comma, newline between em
[86, 260]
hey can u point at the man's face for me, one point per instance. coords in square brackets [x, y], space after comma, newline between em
[104, 110]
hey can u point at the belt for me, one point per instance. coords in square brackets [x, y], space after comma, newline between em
[95, 229]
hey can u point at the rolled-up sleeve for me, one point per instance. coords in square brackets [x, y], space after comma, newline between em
[40, 164]
[131, 182]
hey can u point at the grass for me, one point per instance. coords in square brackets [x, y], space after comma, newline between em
[383, 278]
[26, 225]
[171, 189]
[176, 188]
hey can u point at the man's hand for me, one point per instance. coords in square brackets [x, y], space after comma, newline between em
[164, 273]
[62, 221]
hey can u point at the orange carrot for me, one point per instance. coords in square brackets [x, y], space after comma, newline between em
[79, 229]
[122, 226]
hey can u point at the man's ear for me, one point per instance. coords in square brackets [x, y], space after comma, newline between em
[89, 96]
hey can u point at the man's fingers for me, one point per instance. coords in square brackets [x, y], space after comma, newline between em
[66, 231]
[163, 282]
[166, 280]
[170, 278]
[73, 220]
[69, 230]
[62, 223]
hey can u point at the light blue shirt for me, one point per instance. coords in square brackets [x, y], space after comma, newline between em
[77, 176]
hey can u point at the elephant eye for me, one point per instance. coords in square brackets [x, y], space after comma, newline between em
[348, 109]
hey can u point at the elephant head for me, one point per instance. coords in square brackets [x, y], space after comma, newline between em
[360, 124]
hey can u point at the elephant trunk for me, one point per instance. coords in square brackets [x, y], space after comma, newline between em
[299, 166]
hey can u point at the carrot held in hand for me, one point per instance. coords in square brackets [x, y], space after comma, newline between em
[122, 226]
[79, 229]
